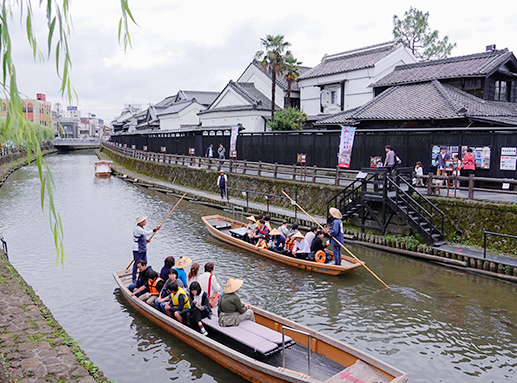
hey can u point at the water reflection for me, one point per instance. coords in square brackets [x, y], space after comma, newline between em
[436, 323]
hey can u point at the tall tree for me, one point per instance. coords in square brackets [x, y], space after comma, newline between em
[416, 34]
[272, 60]
[58, 28]
[291, 71]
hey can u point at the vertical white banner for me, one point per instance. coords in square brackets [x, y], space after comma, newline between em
[345, 146]
[233, 141]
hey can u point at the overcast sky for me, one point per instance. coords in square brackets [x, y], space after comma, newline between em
[201, 45]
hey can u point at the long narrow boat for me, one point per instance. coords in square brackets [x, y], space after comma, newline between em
[272, 349]
[231, 231]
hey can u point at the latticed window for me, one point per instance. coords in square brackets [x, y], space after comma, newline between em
[502, 91]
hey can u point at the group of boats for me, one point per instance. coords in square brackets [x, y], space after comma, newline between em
[273, 348]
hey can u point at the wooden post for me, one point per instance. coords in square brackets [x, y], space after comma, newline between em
[259, 171]
[430, 184]
[244, 167]
[294, 172]
[337, 176]
[275, 170]
[471, 186]
[314, 174]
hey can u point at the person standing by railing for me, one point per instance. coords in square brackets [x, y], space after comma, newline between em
[222, 180]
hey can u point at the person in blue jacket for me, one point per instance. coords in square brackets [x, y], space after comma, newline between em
[336, 234]
[180, 265]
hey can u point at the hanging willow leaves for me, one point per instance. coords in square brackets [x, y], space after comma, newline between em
[16, 127]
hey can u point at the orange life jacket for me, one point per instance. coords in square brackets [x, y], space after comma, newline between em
[289, 244]
[152, 286]
[262, 243]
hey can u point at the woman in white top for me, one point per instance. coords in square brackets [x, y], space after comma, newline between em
[208, 281]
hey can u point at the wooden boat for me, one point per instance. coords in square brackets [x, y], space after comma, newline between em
[282, 357]
[231, 231]
[103, 168]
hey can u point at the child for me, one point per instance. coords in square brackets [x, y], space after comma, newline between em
[419, 172]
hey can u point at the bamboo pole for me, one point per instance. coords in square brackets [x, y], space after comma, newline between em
[343, 246]
[149, 240]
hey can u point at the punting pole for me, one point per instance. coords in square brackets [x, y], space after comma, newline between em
[151, 237]
[343, 246]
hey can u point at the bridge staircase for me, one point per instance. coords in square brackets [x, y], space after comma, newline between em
[377, 196]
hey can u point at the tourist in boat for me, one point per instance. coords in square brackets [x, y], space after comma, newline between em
[208, 281]
[259, 217]
[318, 245]
[301, 249]
[200, 307]
[154, 286]
[277, 242]
[293, 231]
[143, 278]
[290, 242]
[284, 229]
[178, 304]
[251, 227]
[193, 273]
[267, 218]
[180, 265]
[310, 235]
[165, 293]
[336, 234]
[261, 232]
[262, 243]
[168, 264]
[231, 310]
[140, 242]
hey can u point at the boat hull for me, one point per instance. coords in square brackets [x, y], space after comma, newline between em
[323, 268]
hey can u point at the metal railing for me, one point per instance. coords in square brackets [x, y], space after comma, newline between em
[308, 347]
[486, 233]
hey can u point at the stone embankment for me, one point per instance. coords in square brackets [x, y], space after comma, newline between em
[314, 197]
[33, 346]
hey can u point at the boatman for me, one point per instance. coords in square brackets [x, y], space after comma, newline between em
[336, 233]
[140, 242]
[222, 180]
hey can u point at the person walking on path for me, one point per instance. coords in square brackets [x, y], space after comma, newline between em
[469, 163]
[391, 159]
[222, 152]
[221, 183]
[210, 151]
[140, 242]
[336, 234]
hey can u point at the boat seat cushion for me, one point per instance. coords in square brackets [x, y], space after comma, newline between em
[359, 372]
[243, 336]
[265, 332]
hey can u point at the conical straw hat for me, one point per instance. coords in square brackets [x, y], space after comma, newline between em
[232, 285]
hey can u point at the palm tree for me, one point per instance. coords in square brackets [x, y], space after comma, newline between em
[272, 60]
[292, 71]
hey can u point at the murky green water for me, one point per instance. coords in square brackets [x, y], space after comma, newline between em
[435, 323]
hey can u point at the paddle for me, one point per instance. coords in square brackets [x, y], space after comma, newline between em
[149, 240]
[343, 246]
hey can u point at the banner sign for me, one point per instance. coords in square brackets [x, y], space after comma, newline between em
[233, 141]
[345, 146]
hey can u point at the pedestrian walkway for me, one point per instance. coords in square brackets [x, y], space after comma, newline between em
[473, 252]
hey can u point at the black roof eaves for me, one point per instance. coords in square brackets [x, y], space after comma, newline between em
[242, 92]
[496, 64]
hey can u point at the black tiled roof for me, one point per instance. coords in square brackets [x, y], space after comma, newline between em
[475, 65]
[425, 101]
[280, 80]
[351, 60]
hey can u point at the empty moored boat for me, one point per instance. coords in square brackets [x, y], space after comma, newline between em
[103, 168]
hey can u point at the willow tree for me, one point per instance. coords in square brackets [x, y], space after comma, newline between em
[272, 60]
[58, 30]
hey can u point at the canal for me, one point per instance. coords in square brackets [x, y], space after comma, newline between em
[435, 323]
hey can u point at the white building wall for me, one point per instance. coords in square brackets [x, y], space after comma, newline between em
[263, 84]
[187, 116]
[251, 120]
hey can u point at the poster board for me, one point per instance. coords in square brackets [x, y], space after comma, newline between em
[345, 146]
[508, 159]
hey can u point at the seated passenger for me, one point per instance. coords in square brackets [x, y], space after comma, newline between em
[208, 281]
[193, 273]
[262, 243]
[165, 293]
[283, 229]
[293, 231]
[179, 303]
[168, 264]
[277, 242]
[310, 235]
[301, 249]
[154, 285]
[318, 245]
[180, 265]
[143, 278]
[262, 230]
[290, 242]
[200, 307]
[267, 218]
[231, 310]
[251, 227]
